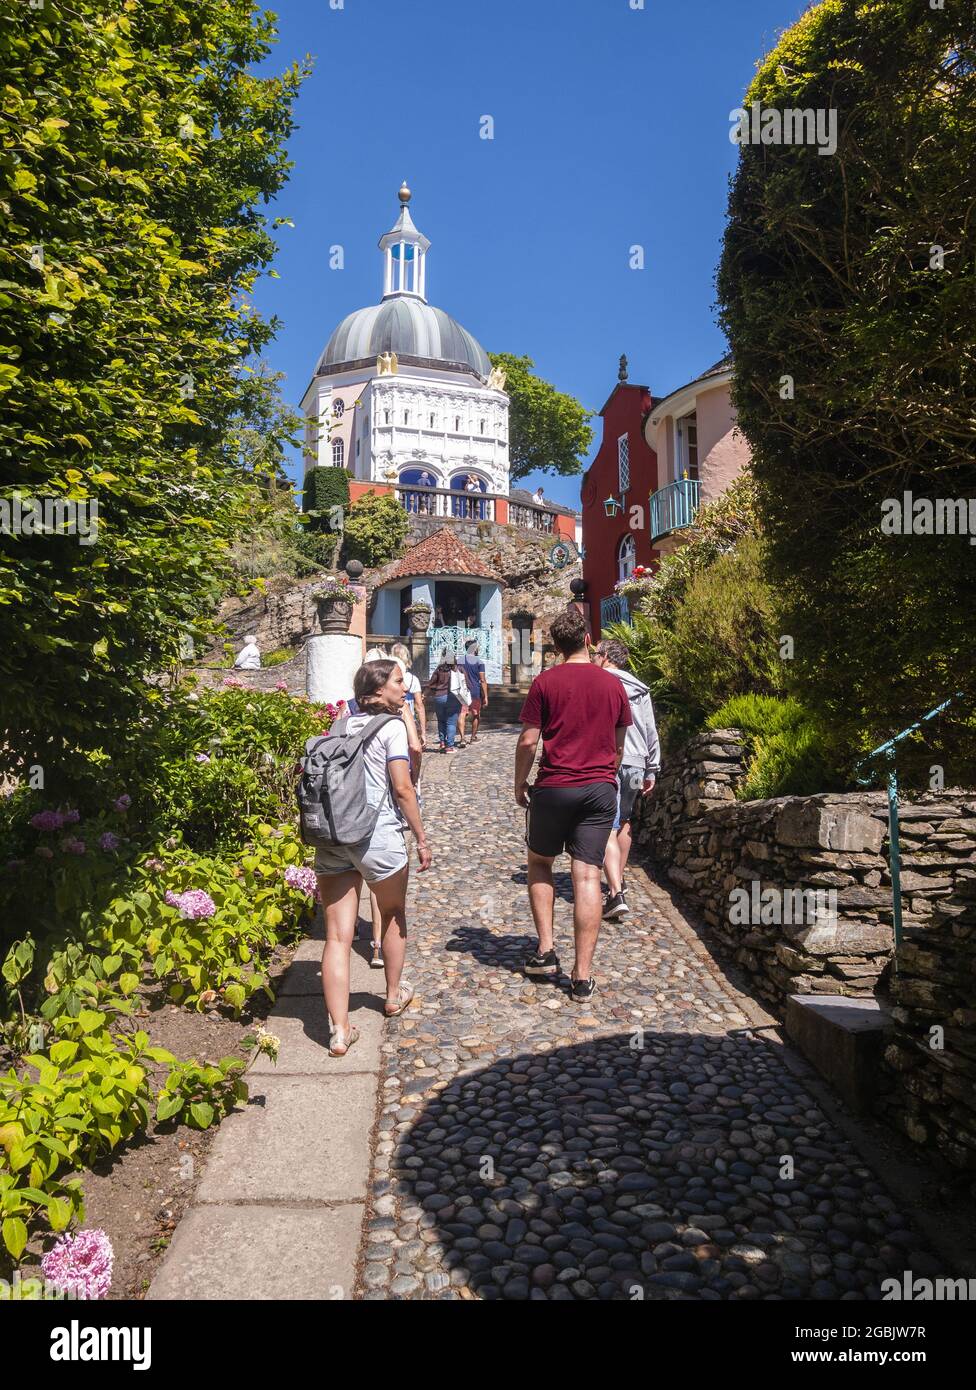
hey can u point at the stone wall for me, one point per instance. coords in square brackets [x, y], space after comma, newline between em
[710, 844]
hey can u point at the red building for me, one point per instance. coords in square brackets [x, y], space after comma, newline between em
[621, 477]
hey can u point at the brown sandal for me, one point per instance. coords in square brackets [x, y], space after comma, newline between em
[404, 999]
[338, 1047]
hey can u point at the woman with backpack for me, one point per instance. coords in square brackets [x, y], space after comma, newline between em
[381, 860]
[450, 693]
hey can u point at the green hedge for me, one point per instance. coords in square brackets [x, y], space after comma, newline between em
[324, 489]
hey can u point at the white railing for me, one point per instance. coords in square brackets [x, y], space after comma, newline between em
[438, 501]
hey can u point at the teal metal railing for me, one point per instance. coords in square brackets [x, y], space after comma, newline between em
[674, 507]
[888, 751]
[614, 610]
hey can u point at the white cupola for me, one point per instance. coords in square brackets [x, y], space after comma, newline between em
[404, 255]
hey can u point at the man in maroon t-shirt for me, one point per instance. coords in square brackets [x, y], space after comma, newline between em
[582, 715]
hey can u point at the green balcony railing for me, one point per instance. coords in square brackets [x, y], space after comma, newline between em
[674, 507]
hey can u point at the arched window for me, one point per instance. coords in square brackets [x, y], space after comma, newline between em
[338, 453]
[338, 406]
[626, 557]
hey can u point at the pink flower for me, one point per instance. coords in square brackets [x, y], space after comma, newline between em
[201, 757]
[233, 683]
[73, 846]
[80, 1265]
[303, 879]
[193, 904]
[124, 802]
[281, 686]
[47, 820]
[108, 841]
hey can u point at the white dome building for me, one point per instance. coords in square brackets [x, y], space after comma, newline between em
[403, 395]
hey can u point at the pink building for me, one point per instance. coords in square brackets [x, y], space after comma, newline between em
[700, 451]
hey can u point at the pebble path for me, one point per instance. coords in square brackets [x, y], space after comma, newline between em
[648, 1144]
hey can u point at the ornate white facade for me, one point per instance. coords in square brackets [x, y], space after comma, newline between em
[402, 388]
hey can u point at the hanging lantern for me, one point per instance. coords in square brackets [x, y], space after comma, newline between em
[612, 506]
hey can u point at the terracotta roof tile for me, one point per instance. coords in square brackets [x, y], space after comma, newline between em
[440, 553]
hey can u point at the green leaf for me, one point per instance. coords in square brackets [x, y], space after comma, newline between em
[15, 1236]
[202, 1113]
[168, 1105]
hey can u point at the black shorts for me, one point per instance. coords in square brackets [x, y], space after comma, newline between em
[575, 819]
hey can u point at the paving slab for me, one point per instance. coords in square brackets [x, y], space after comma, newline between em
[301, 1023]
[299, 1138]
[260, 1252]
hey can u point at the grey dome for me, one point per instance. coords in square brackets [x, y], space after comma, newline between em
[413, 329]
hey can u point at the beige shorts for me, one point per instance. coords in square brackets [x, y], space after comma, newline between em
[379, 857]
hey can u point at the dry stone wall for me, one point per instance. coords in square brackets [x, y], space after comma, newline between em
[710, 845]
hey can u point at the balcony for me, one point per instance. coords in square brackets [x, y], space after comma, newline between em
[614, 610]
[440, 501]
[674, 507]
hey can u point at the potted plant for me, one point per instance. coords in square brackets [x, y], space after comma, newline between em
[335, 600]
[419, 615]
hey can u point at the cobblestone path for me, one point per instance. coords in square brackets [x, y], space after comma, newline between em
[645, 1145]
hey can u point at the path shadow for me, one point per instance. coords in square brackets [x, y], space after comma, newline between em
[607, 1171]
[499, 952]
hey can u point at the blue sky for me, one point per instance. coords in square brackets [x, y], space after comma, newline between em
[611, 128]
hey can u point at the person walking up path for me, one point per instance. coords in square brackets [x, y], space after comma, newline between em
[638, 771]
[477, 682]
[582, 716]
[450, 694]
[381, 861]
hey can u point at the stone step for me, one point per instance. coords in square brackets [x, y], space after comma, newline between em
[842, 1037]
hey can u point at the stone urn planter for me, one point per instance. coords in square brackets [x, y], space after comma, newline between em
[334, 602]
[419, 618]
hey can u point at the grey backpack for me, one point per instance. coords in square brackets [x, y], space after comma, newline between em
[332, 804]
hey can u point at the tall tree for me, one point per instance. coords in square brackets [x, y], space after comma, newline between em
[847, 287]
[548, 430]
[138, 144]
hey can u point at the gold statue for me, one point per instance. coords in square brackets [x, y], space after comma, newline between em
[386, 364]
[496, 379]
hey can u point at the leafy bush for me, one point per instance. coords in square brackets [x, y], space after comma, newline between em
[376, 527]
[278, 657]
[873, 249]
[788, 752]
[677, 718]
[131, 236]
[724, 639]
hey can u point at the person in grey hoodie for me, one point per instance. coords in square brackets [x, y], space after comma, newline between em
[636, 775]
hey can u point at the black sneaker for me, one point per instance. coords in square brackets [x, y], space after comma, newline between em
[583, 990]
[615, 907]
[542, 966]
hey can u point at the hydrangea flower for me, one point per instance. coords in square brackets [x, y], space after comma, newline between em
[70, 817]
[233, 683]
[47, 820]
[193, 904]
[201, 757]
[303, 879]
[80, 1265]
[281, 686]
[267, 1043]
[124, 802]
[155, 864]
[73, 846]
[109, 841]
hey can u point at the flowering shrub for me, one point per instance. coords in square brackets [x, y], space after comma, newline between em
[80, 1266]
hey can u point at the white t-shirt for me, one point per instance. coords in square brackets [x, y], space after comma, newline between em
[385, 747]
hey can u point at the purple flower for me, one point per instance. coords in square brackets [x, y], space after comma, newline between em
[70, 817]
[124, 802]
[193, 904]
[302, 879]
[73, 846]
[155, 864]
[47, 820]
[80, 1265]
[108, 841]
[201, 757]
